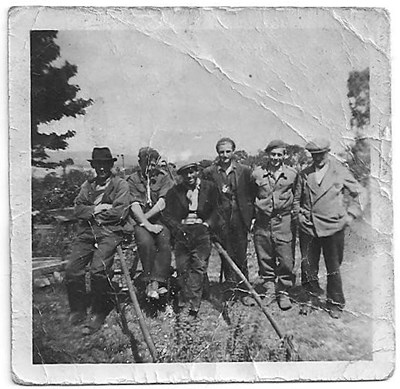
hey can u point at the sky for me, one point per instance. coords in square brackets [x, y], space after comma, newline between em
[180, 81]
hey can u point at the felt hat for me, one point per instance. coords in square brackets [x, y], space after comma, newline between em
[101, 154]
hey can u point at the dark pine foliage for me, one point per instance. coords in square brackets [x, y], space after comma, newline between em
[52, 97]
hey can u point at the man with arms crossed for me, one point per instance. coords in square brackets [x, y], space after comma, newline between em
[101, 208]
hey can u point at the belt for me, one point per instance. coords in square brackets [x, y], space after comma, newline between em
[192, 218]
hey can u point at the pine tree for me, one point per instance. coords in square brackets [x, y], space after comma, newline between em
[52, 97]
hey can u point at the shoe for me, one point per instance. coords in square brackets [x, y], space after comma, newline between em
[284, 301]
[335, 313]
[162, 290]
[152, 290]
[268, 290]
[96, 322]
[77, 317]
[248, 301]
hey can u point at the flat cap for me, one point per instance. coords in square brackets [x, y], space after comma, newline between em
[277, 143]
[148, 152]
[318, 145]
[187, 166]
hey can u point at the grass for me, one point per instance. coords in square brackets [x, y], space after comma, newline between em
[222, 332]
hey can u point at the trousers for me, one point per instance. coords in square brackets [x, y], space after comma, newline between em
[332, 248]
[275, 257]
[154, 253]
[96, 246]
[234, 241]
[192, 252]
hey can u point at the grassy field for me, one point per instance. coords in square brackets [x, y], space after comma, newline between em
[231, 332]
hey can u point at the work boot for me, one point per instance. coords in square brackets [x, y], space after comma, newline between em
[103, 301]
[268, 291]
[76, 292]
[95, 323]
[152, 290]
[248, 301]
[284, 301]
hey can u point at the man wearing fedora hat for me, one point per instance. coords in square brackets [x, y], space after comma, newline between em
[190, 214]
[148, 188]
[101, 208]
[322, 217]
[273, 234]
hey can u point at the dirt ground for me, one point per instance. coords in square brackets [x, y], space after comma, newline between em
[231, 332]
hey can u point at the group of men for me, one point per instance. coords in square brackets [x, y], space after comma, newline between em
[225, 201]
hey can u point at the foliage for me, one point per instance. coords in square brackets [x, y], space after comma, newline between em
[54, 192]
[52, 97]
[358, 155]
[359, 101]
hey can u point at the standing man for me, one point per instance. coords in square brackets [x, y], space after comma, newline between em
[322, 217]
[273, 235]
[148, 188]
[190, 213]
[101, 208]
[235, 206]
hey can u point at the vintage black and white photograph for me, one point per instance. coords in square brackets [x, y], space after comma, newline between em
[208, 187]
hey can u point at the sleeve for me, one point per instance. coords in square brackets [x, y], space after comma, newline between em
[213, 220]
[166, 184]
[168, 217]
[84, 208]
[136, 195]
[297, 189]
[120, 206]
[355, 191]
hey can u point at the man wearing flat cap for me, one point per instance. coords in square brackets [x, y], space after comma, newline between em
[273, 235]
[236, 210]
[322, 218]
[190, 214]
[101, 207]
[148, 188]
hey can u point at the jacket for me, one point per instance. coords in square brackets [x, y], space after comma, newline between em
[274, 203]
[321, 208]
[116, 193]
[160, 183]
[245, 189]
[177, 205]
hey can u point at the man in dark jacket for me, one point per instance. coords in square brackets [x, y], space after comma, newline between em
[148, 188]
[101, 208]
[235, 206]
[190, 213]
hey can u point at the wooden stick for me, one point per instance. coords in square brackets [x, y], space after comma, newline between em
[255, 295]
[136, 306]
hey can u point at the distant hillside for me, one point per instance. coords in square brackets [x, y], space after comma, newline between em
[80, 158]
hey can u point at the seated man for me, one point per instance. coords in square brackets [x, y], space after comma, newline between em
[101, 207]
[148, 187]
[191, 210]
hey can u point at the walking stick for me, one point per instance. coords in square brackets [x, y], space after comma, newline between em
[136, 306]
[291, 352]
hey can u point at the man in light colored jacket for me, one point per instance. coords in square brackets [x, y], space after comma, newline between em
[322, 218]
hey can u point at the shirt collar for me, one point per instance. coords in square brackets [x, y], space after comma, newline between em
[197, 186]
[281, 171]
[230, 168]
